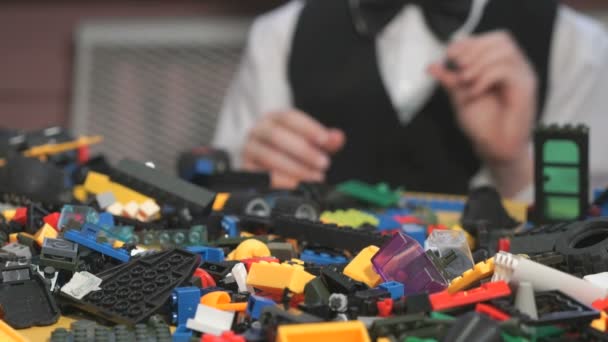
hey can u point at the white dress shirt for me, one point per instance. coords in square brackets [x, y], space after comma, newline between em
[577, 89]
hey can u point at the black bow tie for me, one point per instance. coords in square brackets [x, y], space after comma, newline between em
[443, 17]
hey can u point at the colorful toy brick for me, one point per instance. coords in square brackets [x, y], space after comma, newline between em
[396, 290]
[445, 300]
[321, 258]
[208, 253]
[185, 300]
[91, 242]
[354, 331]
[249, 248]
[351, 217]
[274, 277]
[379, 195]
[480, 271]
[561, 173]
[256, 304]
[361, 268]
[403, 260]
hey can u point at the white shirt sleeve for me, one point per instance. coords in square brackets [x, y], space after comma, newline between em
[578, 79]
[261, 85]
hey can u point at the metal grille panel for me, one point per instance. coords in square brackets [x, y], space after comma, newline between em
[154, 89]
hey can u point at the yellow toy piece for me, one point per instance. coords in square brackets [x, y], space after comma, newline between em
[97, 183]
[220, 201]
[221, 300]
[273, 277]
[351, 218]
[47, 231]
[80, 193]
[352, 331]
[480, 271]
[249, 248]
[8, 334]
[9, 214]
[12, 237]
[361, 268]
[600, 323]
[50, 149]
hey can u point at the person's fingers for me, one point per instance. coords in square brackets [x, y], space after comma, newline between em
[304, 125]
[336, 140]
[468, 51]
[488, 60]
[291, 143]
[282, 181]
[250, 165]
[490, 78]
[447, 78]
[275, 160]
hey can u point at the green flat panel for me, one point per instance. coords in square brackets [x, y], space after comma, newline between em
[562, 208]
[561, 151]
[561, 180]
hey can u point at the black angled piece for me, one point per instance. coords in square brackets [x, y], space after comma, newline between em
[132, 292]
[25, 297]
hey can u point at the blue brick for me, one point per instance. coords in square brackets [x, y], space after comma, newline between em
[208, 253]
[396, 289]
[231, 226]
[321, 258]
[185, 300]
[256, 304]
[603, 208]
[182, 334]
[203, 167]
[89, 241]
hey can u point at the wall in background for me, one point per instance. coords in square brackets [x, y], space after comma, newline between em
[36, 46]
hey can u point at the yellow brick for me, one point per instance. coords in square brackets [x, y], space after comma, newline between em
[80, 193]
[480, 271]
[97, 183]
[118, 244]
[361, 268]
[45, 232]
[249, 248]
[600, 323]
[352, 331]
[12, 237]
[220, 201]
[275, 277]
[8, 334]
[517, 210]
[9, 214]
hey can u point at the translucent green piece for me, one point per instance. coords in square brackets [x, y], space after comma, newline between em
[417, 339]
[379, 195]
[562, 208]
[547, 331]
[509, 338]
[442, 316]
[561, 151]
[563, 180]
[351, 218]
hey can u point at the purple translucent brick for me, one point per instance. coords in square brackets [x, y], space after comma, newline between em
[402, 259]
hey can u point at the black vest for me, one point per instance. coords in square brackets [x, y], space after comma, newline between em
[334, 76]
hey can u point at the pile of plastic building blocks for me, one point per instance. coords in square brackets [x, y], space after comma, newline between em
[93, 251]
